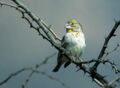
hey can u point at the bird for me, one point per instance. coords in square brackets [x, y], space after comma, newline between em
[73, 42]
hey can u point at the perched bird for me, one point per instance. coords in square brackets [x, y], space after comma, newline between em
[73, 42]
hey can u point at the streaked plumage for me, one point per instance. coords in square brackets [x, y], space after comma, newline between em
[74, 43]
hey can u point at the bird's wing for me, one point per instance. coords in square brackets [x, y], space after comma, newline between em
[64, 42]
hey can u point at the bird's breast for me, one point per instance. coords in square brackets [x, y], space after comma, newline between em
[76, 44]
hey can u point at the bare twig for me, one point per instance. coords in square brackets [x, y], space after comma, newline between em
[114, 81]
[35, 68]
[113, 65]
[14, 74]
[102, 52]
[110, 52]
[54, 34]
[38, 22]
[53, 78]
[50, 36]
[25, 69]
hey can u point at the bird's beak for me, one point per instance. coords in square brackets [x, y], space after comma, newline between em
[68, 26]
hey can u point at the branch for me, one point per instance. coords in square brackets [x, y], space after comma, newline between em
[113, 65]
[36, 68]
[110, 52]
[39, 22]
[51, 37]
[25, 69]
[51, 78]
[14, 74]
[107, 39]
[114, 81]
[49, 28]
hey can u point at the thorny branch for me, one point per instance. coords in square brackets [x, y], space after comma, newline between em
[34, 69]
[14, 74]
[52, 78]
[107, 53]
[107, 39]
[51, 36]
[114, 81]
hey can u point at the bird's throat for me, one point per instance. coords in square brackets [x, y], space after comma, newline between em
[69, 30]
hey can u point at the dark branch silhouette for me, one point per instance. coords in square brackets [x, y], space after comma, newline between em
[107, 39]
[48, 34]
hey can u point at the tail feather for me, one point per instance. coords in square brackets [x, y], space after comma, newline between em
[66, 64]
[60, 61]
[56, 69]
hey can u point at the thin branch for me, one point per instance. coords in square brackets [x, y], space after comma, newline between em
[23, 70]
[107, 39]
[35, 68]
[38, 22]
[53, 78]
[113, 65]
[51, 36]
[110, 52]
[6, 4]
[14, 74]
[114, 81]
[49, 28]
[24, 17]
[99, 79]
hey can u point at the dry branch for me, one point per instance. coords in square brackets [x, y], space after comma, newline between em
[14, 74]
[36, 69]
[51, 37]
[107, 39]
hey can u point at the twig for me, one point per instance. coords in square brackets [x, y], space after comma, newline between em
[38, 22]
[14, 74]
[113, 65]
[114, 81]
[110, 52]
[53, 78]
[54, 34]
[107, 39]
[35, 68]
[51, 37]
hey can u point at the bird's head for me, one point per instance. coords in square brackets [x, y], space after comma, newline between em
[73, 26]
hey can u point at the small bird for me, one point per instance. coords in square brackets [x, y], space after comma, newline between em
[73, 42]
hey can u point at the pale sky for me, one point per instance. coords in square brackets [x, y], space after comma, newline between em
[21, 47]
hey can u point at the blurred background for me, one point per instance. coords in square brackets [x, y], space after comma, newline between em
[21, 46]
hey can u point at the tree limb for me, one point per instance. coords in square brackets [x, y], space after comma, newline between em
[50, 36]
[107, 39]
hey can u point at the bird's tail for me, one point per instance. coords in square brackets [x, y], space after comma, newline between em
[67, 64]
[56, 69]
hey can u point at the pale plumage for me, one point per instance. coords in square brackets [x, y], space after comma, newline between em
[74, 43]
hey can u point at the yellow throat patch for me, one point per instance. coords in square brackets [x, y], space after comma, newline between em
[69, 29]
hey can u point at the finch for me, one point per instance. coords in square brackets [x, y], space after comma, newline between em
[73, 42]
